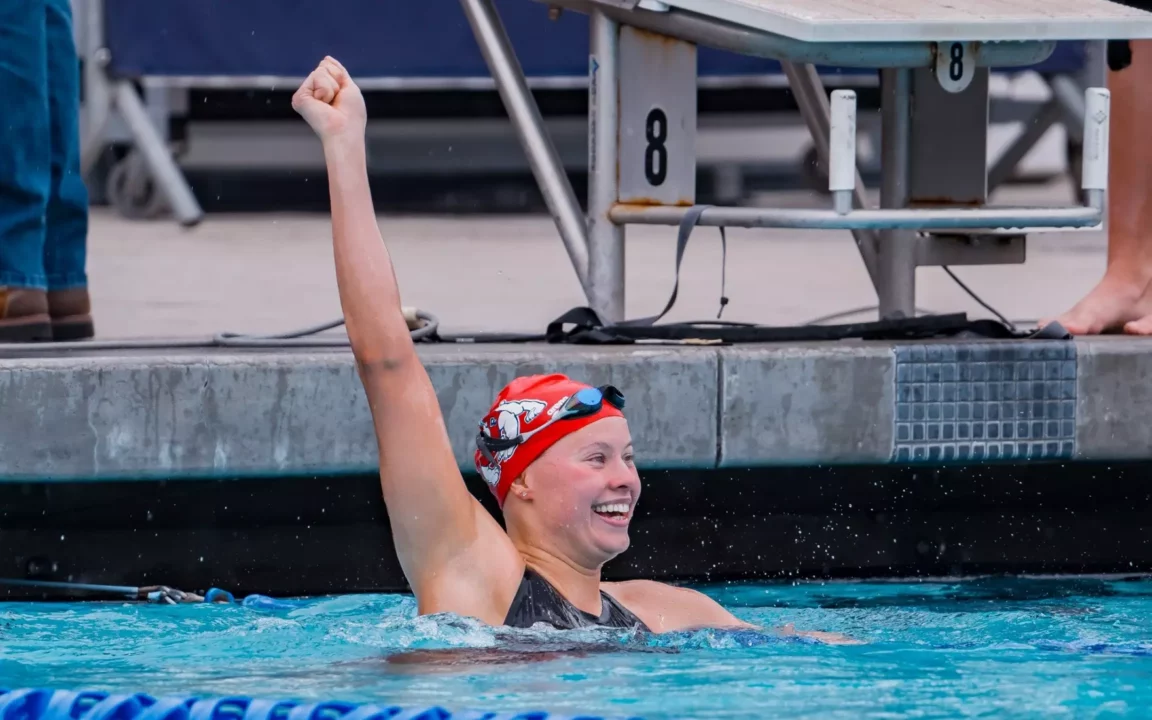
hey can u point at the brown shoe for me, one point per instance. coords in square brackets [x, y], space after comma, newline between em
[71, 313]
[24, 315]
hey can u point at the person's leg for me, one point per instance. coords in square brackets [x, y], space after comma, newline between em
[25, 171]
[1124, 296]
[65, 249]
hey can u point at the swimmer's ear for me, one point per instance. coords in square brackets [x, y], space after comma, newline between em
[520, 489]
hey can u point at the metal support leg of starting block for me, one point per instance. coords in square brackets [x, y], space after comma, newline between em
[897, 289]
[102, 97]
[605, 238]
[934, 144]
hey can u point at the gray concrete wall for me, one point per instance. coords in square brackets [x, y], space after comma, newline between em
[808, 404]
[305, 413]
[1114, 398]
[291, 413]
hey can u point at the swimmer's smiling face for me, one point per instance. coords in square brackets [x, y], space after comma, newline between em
[578, 498]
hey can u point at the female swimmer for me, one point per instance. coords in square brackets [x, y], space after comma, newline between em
[556, 453]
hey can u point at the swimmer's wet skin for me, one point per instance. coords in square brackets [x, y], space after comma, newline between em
[556, 453]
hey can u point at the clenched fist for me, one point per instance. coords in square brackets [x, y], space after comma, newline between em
[331, 102]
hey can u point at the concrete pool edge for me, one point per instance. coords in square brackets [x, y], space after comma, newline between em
[185, 414]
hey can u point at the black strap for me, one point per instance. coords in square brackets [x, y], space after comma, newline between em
[687, 225]
[1051, 331]
[586, 329]
[723, 272]
[582, 326]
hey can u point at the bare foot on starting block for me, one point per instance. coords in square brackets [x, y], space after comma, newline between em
[1116, 304]
[1143, 326]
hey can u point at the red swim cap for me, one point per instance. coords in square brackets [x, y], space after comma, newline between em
[525, 404]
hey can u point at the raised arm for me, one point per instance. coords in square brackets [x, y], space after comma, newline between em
[455, 556]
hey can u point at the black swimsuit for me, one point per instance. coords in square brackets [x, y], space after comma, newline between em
[537, 601]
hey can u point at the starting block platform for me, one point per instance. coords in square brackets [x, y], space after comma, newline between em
[186, 415]
[924, 20]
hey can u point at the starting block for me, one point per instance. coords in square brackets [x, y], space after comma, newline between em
[934, 60]
[923, 20]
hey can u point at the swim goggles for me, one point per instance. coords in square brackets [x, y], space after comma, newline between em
[582, 403]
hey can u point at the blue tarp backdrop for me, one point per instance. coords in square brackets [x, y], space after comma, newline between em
[372, 38]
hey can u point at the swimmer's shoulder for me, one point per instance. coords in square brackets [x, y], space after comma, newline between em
[667, 608]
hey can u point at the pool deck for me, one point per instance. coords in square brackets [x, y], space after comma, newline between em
[215, 413]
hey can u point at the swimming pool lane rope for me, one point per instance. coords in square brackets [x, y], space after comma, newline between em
[46, 704]
[158, 594]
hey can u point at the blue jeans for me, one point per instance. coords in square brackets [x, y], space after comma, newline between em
[43, 199]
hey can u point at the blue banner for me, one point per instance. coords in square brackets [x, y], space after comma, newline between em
[379, 38]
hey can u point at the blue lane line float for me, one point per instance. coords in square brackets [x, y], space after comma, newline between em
[44, 704]
[215, 595]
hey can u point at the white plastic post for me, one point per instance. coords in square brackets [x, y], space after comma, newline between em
[842, 150]
[1097, 103]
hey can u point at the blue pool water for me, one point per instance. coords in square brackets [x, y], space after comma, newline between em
[1002, 648]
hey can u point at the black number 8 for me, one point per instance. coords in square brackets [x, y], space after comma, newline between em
[956, 67]
[656, 154]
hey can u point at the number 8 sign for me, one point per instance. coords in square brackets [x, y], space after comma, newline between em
[955, 65]
[656, 154]
[657, 119]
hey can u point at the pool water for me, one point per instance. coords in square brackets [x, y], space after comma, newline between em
[992, 647]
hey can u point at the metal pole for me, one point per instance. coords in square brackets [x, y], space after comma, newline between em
[842, 173]
[129, 592]
[1097, 115]
[1069, 96]
[808, 89]
[605, 238]
[97, 95]
[159, 160]
[526, 119]
[1094, 74]
[1095, 70]
[909, 219]
[897, 253]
